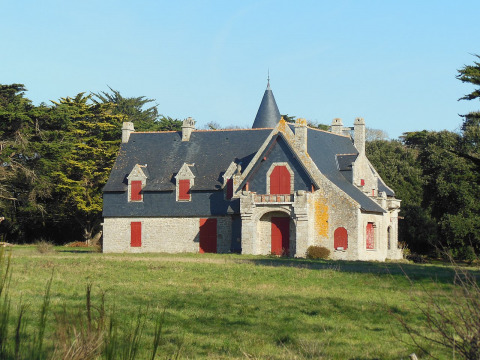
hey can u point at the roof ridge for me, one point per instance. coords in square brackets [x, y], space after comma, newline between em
[213, 130]
[155, 132]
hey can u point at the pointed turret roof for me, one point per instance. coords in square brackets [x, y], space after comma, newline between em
[268, 115]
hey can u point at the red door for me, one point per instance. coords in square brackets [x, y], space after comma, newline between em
[208, 236]
[280, 235]
[370, 237]
[280, 181]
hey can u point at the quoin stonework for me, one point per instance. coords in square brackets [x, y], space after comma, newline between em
[276, 188]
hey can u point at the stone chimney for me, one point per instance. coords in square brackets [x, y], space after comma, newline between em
[127, 129]
[359, 135]
[301, 135]
[337, 126]
[188, 126]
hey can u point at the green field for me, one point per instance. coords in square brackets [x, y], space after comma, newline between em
[236, 306]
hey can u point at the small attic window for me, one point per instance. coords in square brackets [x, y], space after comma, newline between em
[136, 190]
[185, 180]
[136, 182]
[184, 190]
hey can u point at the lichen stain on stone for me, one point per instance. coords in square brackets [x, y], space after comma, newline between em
[321, 217]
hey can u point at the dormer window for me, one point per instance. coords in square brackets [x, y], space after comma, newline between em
[184, 190]
[136, 190]
[137, 179]
[184, 181]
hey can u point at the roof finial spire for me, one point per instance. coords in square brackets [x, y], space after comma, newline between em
[268, 79]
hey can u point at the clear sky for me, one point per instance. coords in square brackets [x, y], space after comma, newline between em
[391, 62]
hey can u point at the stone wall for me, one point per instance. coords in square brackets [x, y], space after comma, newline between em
[331, 209]
[171, 235]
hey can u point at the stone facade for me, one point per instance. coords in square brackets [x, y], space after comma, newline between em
[334, 196]
[169, 235]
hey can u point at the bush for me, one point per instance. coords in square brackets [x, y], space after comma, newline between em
[44, 246]
[317, 252]
[417, 258]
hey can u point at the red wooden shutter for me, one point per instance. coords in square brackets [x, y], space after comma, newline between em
[135, 190]
[229, 189]
[370, 236]
[280, 181]
[340, 238]
[184, 190]
[135, 234]
[208, 236]
[280, 235]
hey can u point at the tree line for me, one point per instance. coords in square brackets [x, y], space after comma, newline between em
[436, 174]
[56, 158]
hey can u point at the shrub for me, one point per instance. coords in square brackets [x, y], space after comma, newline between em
[417, 258]
[44, 246]
[317, 252]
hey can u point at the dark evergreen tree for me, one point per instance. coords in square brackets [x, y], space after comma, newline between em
[133, 109]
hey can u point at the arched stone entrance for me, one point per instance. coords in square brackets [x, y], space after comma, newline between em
[276, 234]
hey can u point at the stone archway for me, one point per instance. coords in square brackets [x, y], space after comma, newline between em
[276, 234]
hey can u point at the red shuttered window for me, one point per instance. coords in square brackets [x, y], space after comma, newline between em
[280, 181]
[370, 236]
[184, 190]
[135, 234]
[136, 190]
[340, 238]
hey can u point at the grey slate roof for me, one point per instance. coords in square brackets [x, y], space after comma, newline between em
[268, 115]
[211, 152]
[323, 148]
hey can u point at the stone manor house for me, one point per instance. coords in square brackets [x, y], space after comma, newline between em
[275, 188]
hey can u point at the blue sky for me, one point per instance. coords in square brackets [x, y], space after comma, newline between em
[392, 62]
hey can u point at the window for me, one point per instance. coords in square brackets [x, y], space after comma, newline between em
[184, 190]
[135, 190]
[340, 239]
[135, 234]
[280, 181]
[362, 182]
[229, 189]
[370, 236]
[389, 237]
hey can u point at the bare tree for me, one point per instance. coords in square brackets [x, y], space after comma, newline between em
[449, 321]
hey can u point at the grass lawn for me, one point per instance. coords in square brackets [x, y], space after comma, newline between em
[237, 306]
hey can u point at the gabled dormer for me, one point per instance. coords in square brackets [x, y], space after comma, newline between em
[137, 179]
[184, 183]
